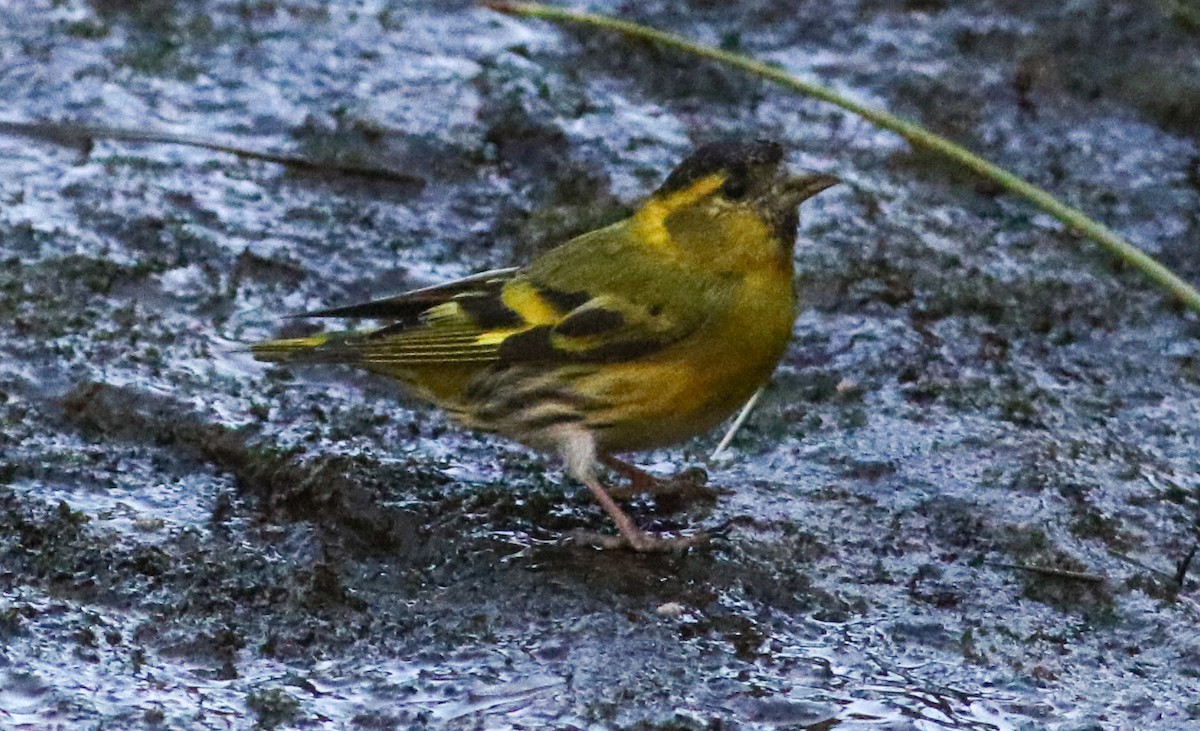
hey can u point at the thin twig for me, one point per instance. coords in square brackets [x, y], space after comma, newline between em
[737, 424]
[1167, 577]
[1182, 569]
[1051, 571]
[1164, 575]
[915, 134]
[66, 133]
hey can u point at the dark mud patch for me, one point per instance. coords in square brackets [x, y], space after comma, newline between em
[323, 489]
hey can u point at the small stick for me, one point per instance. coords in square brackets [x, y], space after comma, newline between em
[1182, 569]
[1051, 571]
[737, 424]
[1166, 575]
[65, 133]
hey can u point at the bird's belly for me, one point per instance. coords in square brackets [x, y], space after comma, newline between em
[685, 392]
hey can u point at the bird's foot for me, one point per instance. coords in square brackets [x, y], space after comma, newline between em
[641, 541]
[684, 487]
[629, 535]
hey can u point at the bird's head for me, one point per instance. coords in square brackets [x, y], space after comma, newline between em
[736, 192]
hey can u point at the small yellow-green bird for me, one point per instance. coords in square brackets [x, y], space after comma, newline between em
[631, 337]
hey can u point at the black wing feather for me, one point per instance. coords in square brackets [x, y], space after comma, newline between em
[407, 307]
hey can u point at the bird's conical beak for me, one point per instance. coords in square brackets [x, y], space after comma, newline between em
[802, 187]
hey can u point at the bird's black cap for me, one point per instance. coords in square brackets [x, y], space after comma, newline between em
[733, 157]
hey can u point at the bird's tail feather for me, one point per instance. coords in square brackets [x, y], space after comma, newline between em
[325, 348]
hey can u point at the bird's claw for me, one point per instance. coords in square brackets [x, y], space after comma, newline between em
[640, 542]
[686, 486]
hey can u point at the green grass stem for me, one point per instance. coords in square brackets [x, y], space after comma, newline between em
[916, 135]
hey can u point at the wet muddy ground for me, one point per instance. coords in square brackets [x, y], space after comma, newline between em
[189, 539]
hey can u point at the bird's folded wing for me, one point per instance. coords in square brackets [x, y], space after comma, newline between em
[408, 306]
[523, 322]
[501, 319]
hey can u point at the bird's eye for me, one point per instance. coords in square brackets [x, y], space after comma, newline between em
[736, 187]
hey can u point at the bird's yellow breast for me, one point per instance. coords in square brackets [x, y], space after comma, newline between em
[690, 387]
